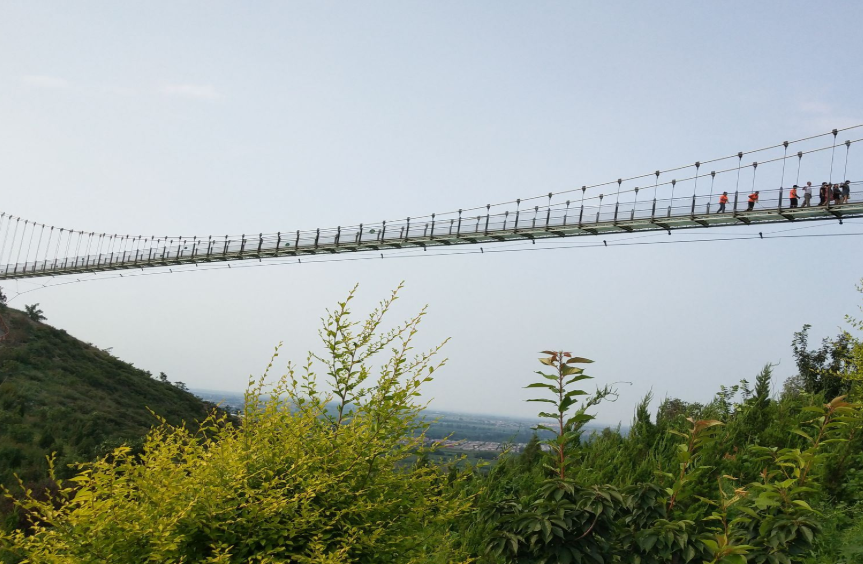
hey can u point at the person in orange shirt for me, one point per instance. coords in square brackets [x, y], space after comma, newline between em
[723, 199]
[793, 196]
[753, 197]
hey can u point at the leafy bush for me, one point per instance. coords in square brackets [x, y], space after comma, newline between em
[296, 482]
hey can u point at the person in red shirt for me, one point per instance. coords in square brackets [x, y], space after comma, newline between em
[753, 197]
[723, 199]
[793, 196]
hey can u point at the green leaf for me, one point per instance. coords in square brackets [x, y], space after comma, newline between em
[577, 379]
[705, 500]
[711, 544]
[733, 559]
[551, 387]
[579, 360]
[647, 542]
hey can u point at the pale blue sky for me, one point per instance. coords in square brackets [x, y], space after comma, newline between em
[217, 117]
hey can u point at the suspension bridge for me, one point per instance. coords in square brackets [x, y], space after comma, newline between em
[657, 201]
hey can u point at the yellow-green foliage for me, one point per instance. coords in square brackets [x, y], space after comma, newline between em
[300, 480]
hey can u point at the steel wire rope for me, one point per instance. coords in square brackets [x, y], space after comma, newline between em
[676, 168]
[78, 247]
[57, 248]
[5, 236]
[47, 248]
[224, 267]
[87, 249]
[3, 243]
[753, 151]
[665, 183]
[69, 235]
[832, 154]
[99, 249]
[635, 177]
[424, 255]
[687, 166]
[29, 246]
[737, 183]
[782, 181]
[38, 246]
[12, 246]
[618, 237]
[695, 186]
[754, 172]
[111, 248]
[543, 207]
[516, 242]
[583, 189]
[712, 181]
[121, 250]
[799, 162]
[720, 171]
[21, 245]
[396, 253]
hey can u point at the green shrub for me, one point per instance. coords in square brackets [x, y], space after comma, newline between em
[296, 482]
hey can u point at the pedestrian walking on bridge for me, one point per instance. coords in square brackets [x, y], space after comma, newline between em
[723, 199]
[753, 198]
[793, 196]
[807, 195]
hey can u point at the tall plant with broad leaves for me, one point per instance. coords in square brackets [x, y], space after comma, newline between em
[565, 427]
[561, 521]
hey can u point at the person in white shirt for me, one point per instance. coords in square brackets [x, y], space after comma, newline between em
[807, 195]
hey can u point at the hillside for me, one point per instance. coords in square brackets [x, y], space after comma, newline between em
[58, 394]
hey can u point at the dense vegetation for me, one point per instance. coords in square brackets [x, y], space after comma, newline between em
[61, 396]
[749, 476]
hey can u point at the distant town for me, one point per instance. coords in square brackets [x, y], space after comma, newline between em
[462, 432]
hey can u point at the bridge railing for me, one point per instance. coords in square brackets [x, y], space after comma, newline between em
[694, 193]
[598, 211]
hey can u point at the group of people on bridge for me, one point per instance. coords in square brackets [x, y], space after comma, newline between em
[837, 193]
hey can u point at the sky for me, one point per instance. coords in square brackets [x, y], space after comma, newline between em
[224, 117]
